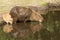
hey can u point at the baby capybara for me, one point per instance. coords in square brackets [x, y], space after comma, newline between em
[7, 18]
[20, 14]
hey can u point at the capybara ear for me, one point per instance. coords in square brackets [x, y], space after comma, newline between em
[7, 17]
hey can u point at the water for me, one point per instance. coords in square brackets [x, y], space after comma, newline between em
[49, 29]
[22, 30]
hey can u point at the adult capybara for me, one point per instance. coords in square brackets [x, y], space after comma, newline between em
[19, 13]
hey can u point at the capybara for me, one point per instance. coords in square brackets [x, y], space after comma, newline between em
[7, 18]
[22, 14]
[19, 13]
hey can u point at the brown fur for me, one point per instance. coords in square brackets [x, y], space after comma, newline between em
[20, 13]
[23, 14]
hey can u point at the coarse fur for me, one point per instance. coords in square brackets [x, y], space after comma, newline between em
[19, 13]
